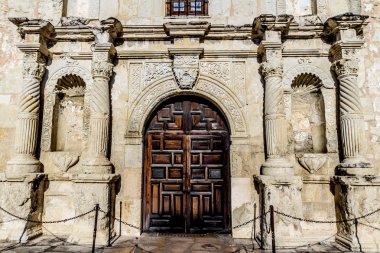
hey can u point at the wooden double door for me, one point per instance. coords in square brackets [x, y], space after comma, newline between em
[187, 169]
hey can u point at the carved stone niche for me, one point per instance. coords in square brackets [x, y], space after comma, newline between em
[69, 114]
[66, 112]
[308, 122]
[186, 65]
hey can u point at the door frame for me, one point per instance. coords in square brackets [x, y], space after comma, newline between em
[227, 192]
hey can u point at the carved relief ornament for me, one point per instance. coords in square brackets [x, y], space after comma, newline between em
[186, 70]
[271, 68]
[102, 69]
[186, 66]
[345, 67]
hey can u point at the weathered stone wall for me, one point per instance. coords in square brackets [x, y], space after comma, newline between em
[143, 78]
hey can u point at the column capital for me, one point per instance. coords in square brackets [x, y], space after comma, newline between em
[102, 69]
[346, 67]
[271, 68]
[36, 34]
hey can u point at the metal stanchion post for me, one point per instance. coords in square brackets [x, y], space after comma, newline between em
[254, 220]
[95, 227]
[109, 228]
[120, 219]
[272, 229]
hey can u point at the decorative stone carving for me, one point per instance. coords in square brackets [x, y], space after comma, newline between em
[65, 160]
[74, 21]
[219, 70]
[232, 74]
[102, 69]
[135, 76]
[238, 73]
[294, 71]
[228, 102]
[156, 71]
[186, 70]
[312, 162]
[147, 102]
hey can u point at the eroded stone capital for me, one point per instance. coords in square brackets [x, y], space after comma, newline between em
[271, 68]
[102, 69]
[346, 67]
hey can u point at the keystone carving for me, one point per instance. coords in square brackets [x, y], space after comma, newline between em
[186, 70]
[186, 66]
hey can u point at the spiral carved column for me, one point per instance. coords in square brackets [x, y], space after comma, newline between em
[351, 118]
[99, 119]
[25, 160]
[275, 122]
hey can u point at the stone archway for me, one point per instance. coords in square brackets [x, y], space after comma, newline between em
[186, 168]
[209, 89]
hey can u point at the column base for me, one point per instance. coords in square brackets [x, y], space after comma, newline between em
[97, 165]
[21, 165]
[284, 193]
[89, 190]
[355, 167]
[277, 167]
[23, 197]
[355, 197]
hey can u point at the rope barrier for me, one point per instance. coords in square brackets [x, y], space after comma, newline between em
[117, 219]
[330, 222]
[46, 222]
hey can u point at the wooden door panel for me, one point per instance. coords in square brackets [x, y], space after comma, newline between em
[166, 182]
[186, 168]
[208, 173]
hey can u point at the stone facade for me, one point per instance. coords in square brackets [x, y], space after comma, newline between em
[296, 80]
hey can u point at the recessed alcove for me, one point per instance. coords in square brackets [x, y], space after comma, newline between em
[69, 114]
[308, 115]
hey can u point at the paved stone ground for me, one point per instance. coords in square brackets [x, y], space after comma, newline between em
[156, 244]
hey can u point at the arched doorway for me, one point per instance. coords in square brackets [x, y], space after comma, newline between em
[186, 168]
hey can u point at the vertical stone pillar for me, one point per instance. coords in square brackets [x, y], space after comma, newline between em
[276, 139]
[277, 184]
[36, 34]
[346, 65]
[21, 185]
[357, 192]
[96, 185]
[104, 50]
[97, 161]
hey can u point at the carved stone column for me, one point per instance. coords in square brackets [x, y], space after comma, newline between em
[275, 123]
[97, 161]
[36, 34]
[277, 184]
[21, 185]
[345, 52]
